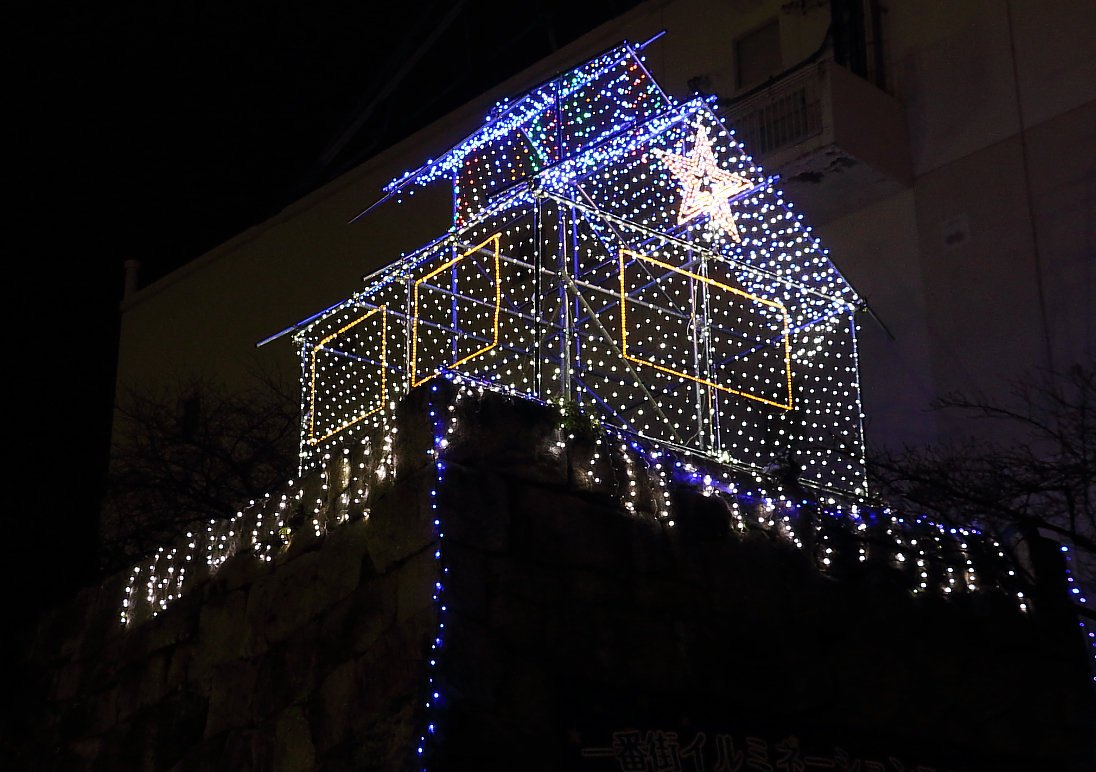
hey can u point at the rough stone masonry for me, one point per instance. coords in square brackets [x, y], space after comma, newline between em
[578, 633]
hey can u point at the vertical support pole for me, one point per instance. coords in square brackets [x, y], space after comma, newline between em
[565, 322]
[695, 306]
[538, 264]
[712, 396]
[576, 309]
[408, 328]
[558, 108]
[453, 297]
[860, 440]
[306, 414]
[561, 268]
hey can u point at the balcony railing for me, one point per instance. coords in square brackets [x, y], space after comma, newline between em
[783, 115]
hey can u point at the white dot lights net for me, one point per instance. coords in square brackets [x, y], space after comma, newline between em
[615, 247]
[340, 396]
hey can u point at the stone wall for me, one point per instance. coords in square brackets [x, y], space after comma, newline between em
[572, 612]
[312, 661]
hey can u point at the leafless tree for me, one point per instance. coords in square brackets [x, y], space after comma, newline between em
[1039, 481]
[191, 453]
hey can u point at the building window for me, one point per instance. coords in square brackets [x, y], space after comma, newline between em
[757, 55]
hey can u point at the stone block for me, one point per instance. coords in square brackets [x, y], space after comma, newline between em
[655, 660]
[698, 521]
[585, 586]
[647, 496]
[201, 757]
[141, 684]
[662, 594]
[304, 540]
[178, 669]
[293, 750]
[593, 471]
[287, 672]
[239, 750]
[554, 526]
[336, 700]
[59, 633]
[286, 600]
[223, 629]
[84, 753]
[103, 622]
[474, 664]
[510, 436]
[357, 622]
[415, 426]
[68, 680]
[153, 685]
[232, 697]
[515, 620]
[80, 610]
[134, 747]
[687, 555]
[523, 578]
[650, 547]
[103, 712]
[361, 693]
[698, 517]
[180, 721]
[416, 584]
[73, 720]
[341, 557]
[581, 641]
[104, 666]
[465, 580]
[474, 508]
[418, 632]
[178, 622]
[241, 570]
[527, 693]
[387, 743]
[401, 522]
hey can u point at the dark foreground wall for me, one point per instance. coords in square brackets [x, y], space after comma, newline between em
[314, 661]
[579, 631]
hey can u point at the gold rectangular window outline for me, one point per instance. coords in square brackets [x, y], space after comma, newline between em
[383, 310]
[415, 380]
[624, 330]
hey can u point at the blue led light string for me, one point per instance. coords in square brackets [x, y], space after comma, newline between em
[1078, 595]
[434, 698]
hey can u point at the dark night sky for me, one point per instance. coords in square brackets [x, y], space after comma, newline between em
[156, 132]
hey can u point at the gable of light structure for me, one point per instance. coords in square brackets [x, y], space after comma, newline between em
[594, 100]
[625, 179]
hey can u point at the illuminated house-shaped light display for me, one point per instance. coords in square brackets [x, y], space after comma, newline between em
[612, 247]
[616, 251]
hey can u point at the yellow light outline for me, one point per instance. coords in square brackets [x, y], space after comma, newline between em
[498, 308]
[312, 440]
[675, 269]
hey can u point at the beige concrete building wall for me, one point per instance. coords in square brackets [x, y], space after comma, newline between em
[995, 235]
[1002, 277]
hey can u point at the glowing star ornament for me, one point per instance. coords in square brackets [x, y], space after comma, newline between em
[700, 169]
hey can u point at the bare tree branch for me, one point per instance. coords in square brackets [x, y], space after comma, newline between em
[193, 453]
[1040, 480]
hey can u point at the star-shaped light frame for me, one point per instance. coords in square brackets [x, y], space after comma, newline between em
[697, 170]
